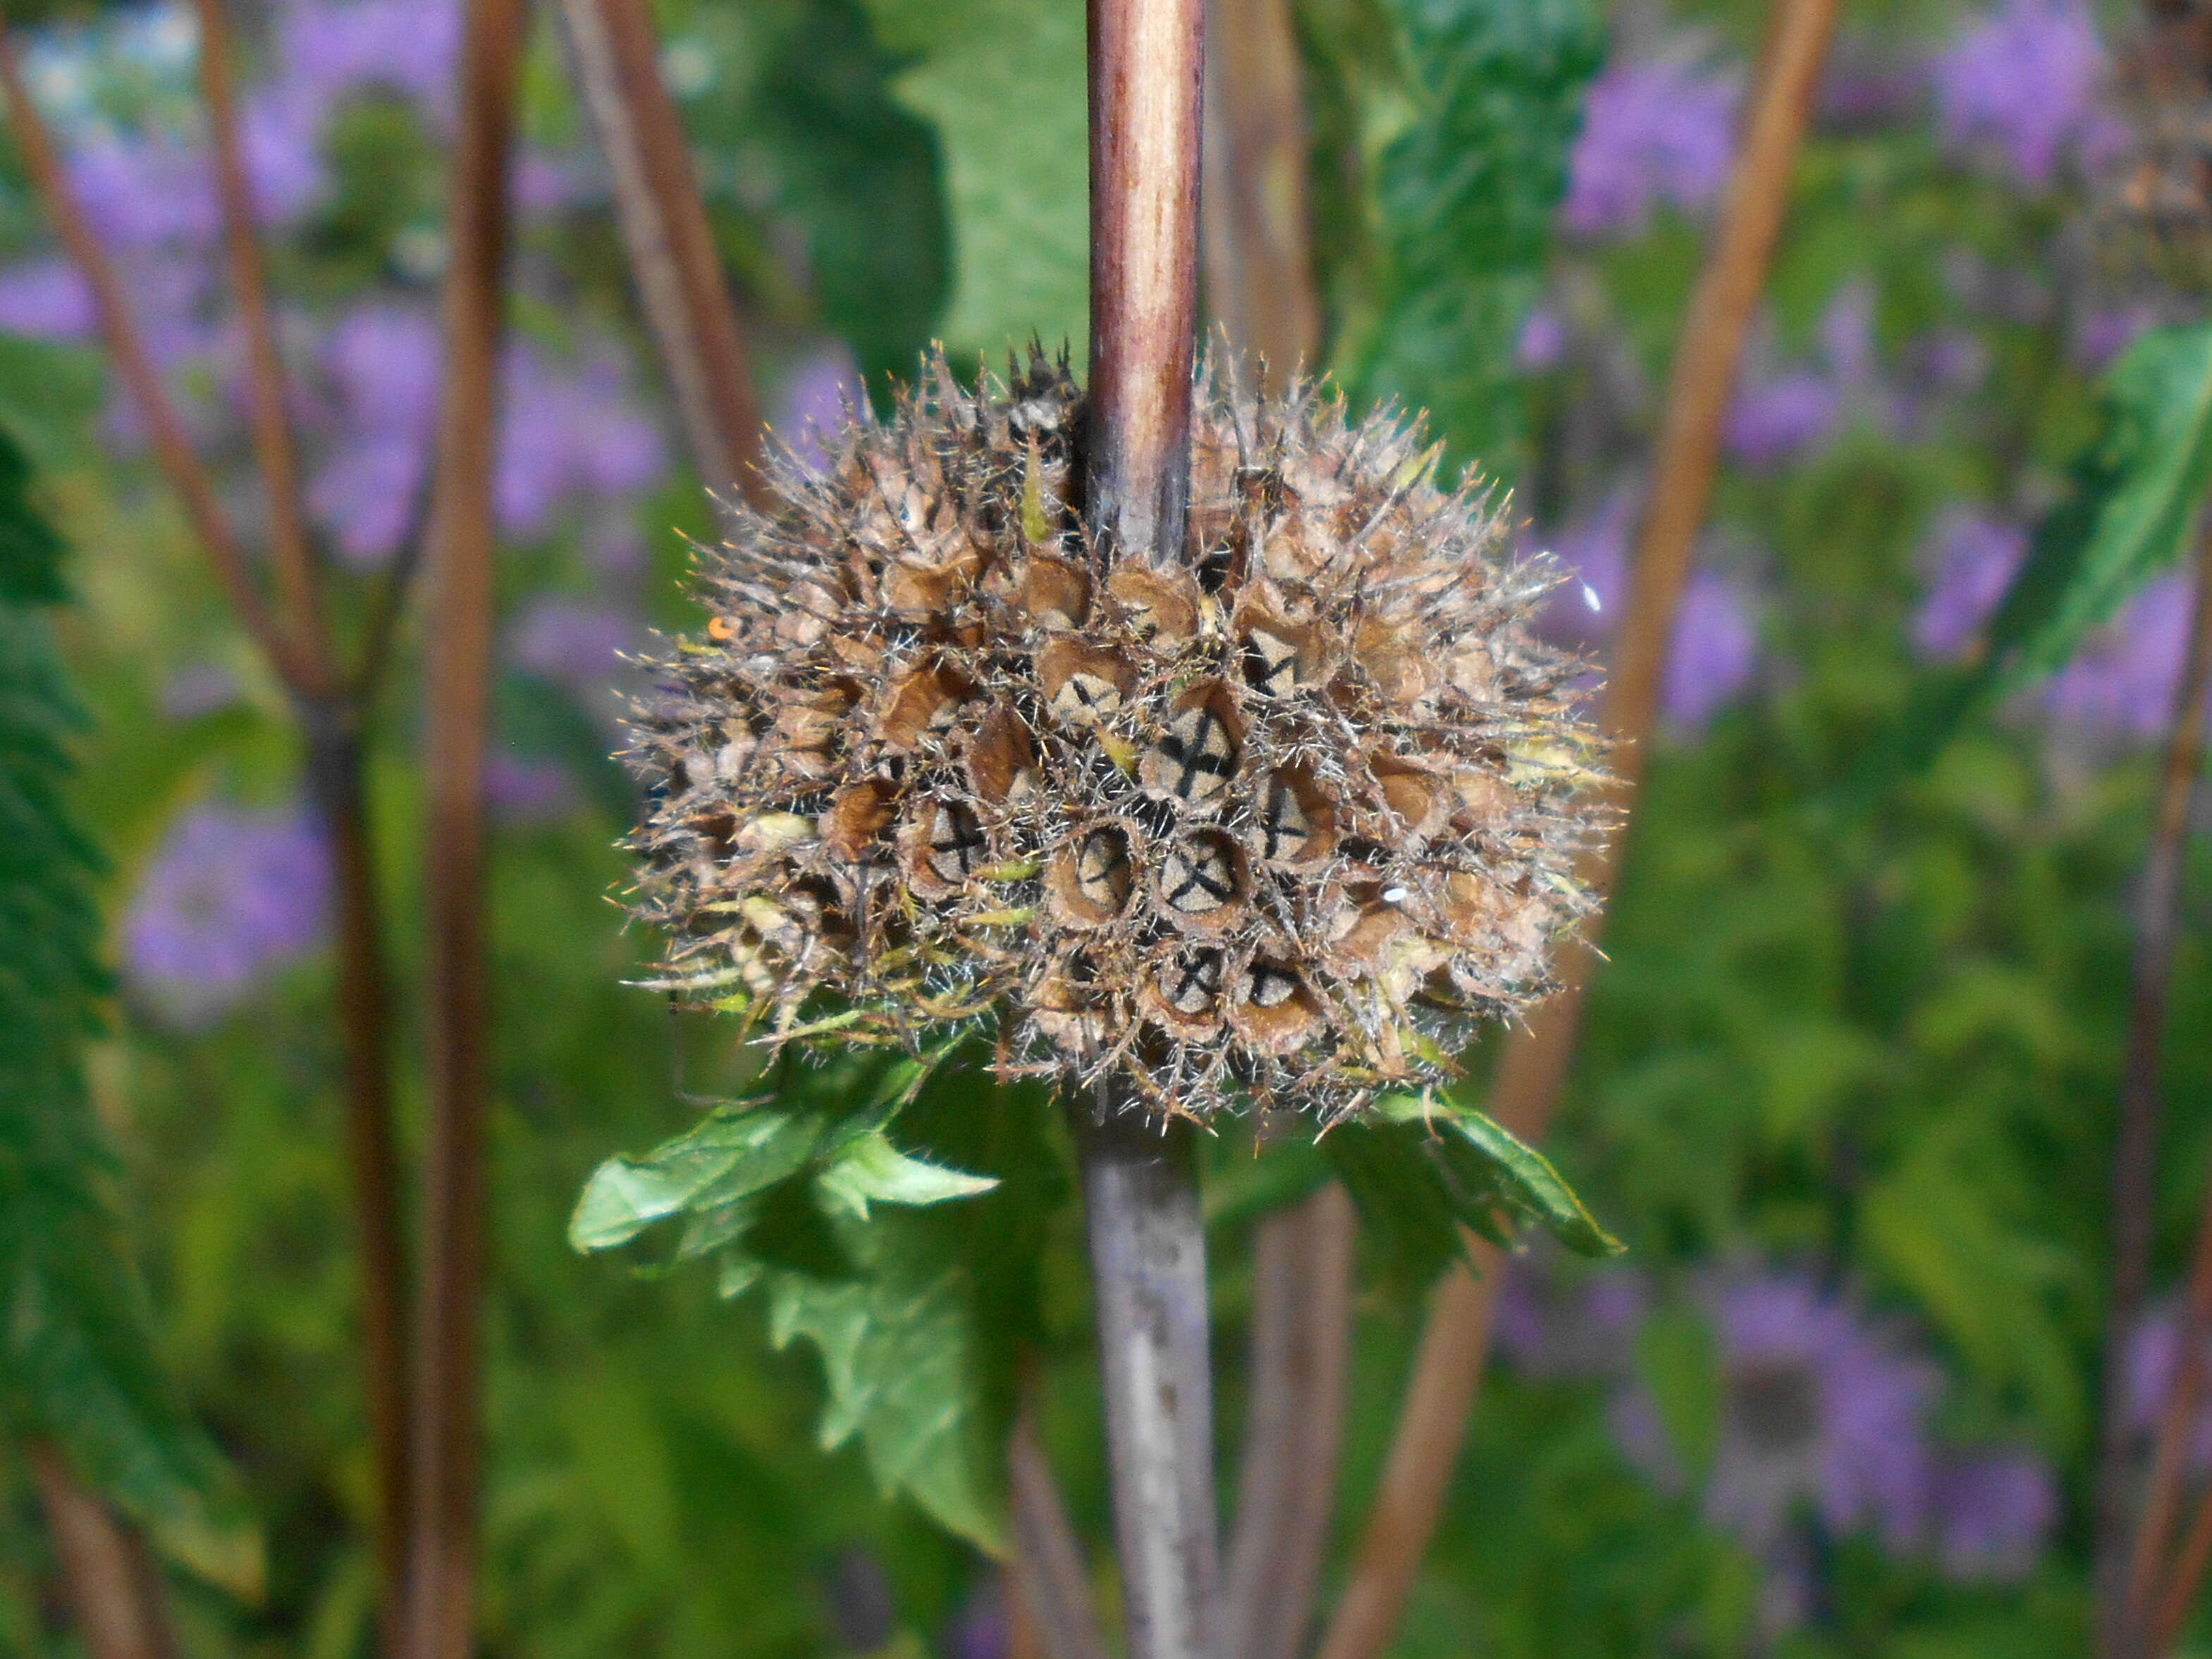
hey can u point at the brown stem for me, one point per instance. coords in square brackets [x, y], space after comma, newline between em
[457, 649]
[1259, 266]
[2134, 1572]
[1146, 70]
[613, 56]
[126, 350]
[114, 1588]
[1047, 1579]
[2187, 1581]
[1301, 1346]
[1447, 1372]
[289, 548]
[335, 781]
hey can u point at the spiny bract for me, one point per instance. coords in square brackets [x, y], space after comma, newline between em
[1268, 827]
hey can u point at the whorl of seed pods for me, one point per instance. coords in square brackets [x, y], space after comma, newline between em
[1271, 826]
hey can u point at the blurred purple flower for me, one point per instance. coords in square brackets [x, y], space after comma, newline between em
[1554, 1324]
[1864, 87]
[1820, 1407]
[1975, 557]
[383, 364]
[570, 642]
[562, 434]
[1947, 361]
[228, 898]
[46, 299]
[1594, 554]
[1713, 653]
[2023, 78]
[2102, 336]
[1542, 342]
[979, 1630]
[279, 133]
[1660, 130]
[528, 788]
[2124, 680]
[1993, 1514]
[332, 48]
[2152, 1362]
[143, 192]
[1771, 423]
[817, 397]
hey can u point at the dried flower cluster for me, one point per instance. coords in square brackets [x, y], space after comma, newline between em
[2158, 196]
[1270, 827]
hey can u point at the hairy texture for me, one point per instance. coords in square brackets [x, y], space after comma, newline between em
[1274, 827]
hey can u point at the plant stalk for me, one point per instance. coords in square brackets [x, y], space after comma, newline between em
[114, 1587]
[457, 649]
[1148, 1241]
[2131, 1574]
[1047, 1579]
[613, 56]
[1448, 1370]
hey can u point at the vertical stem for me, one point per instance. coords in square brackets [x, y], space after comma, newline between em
[458, 647]
[334, 783]
[114, 1586]
[1046, 1579]
[2129, 1579]
[1447, 1371]
[612, 55]
[1148, 1270]
[1294, 1427]
[1147, 67]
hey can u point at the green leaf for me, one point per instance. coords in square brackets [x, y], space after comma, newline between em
[77, 1364]
[1520, 1175]
[1002, 82]
[872, 1170]
[1678, 1366]
[2130, 512]
[898, 1350]
[1465, 193]
[734, 1152]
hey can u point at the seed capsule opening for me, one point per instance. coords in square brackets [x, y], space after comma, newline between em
[1193, 759]
[1199, 882]
[1091, 879]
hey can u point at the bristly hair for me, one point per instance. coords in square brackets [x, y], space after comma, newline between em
[1275, 827]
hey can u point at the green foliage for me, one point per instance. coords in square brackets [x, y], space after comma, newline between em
[778, 1190]
[2135, 497]
[1489, 97]
[1002, 82]
[1421, 1168]
[80, 1368]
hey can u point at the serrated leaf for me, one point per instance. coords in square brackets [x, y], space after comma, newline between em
[1002, 82]
[872, 1170]
[898, 1353]
[1466, 194]
[2131, 509]
[1524, 1176]
[732, 1153]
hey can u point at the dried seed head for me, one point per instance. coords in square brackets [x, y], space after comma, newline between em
[1273, 827]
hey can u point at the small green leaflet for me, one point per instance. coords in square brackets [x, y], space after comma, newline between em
[780, 1192]
[1421, 1168]
[1002, 81]
[2135, 502]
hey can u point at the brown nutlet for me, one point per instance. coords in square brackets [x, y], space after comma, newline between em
[1276, 826]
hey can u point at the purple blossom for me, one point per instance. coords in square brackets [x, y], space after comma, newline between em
[818, 397]
[46, 299]
[1713, 653]
[1820, 1409]
[563, 434]
[1660, 130]
[979, 1630]
[2023, 81]
[2151, 1363]
[1975, 558]
[2102, 336]
[1772, 422]
[330, 51]
[1594, 554]
[228, 897]
[1542, 341]
[1947, 361]
[528, 788]
[570, 642]
[2124, 679]
[145, 192]
[1993, 1514]
[383, 364]
[1552, 1324]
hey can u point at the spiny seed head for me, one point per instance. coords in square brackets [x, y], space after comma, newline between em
[1274, 826]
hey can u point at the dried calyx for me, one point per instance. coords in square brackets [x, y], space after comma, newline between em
[1272, 827]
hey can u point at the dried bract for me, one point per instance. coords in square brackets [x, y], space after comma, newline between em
[1275, 827]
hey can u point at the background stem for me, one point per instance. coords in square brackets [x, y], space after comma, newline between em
[457, 649]
[1448, 1370]
[1047, 1579]
[1148, 1270]
[113, 1588]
